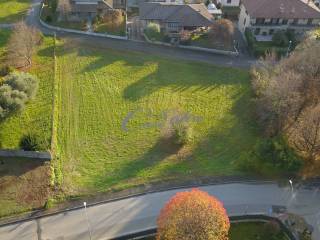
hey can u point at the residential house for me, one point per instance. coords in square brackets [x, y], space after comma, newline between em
[173, 18]
[264, 17]
[90, 8]
[214, 11]
[229, 3]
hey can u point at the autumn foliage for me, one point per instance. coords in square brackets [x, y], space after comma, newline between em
[193, 215]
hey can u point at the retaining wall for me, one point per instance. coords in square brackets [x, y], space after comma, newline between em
[44, 156]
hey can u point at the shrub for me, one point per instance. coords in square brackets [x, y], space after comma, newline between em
[183, 134]
[250, 38]
[271, 153]
[5, 70]
[16, 91]
[31, 142]
[48, 19]
[185, 37]
[280, 39]
[153, 30]
[193, 215]
[222, 31]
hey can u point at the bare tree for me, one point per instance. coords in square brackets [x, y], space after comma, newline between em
[64, 8]
[306, 137]
[113, 19]
[22, 45]
[222, 32]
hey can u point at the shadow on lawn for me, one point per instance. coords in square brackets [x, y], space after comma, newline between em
[181, 77]
[162, 149]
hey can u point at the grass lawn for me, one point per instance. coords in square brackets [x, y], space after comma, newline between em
[202, 40]
[37, 116]
[4, 37]
[13, 10]
[102, 88]
[24, 184]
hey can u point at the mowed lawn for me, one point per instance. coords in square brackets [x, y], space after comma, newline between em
[111, 106]
[37, 116]
[13, 10]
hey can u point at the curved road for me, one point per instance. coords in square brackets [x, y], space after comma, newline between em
[122, 217]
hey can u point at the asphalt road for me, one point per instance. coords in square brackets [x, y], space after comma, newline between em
[134, 214]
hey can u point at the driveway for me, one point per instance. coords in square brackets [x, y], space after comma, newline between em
[139, 213]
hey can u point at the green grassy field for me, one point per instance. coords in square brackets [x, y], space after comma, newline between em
[13, 10]
[97, 91]
[37, 116]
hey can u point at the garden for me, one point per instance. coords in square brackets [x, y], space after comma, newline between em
[218, 36]
[112, 22]
[281, 42]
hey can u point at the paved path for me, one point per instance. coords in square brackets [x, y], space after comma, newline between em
[139, 213]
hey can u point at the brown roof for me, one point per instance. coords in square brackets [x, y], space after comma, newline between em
[281, 9]
[191, 15]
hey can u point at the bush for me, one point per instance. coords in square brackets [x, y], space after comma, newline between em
[16, 91]
[250, 38]
[183, 134]
[48, 19]
[271, 153]
[280, 39]
[31, 142]
[153, 30]
[193, 215]
[185, 37]
[5, 70]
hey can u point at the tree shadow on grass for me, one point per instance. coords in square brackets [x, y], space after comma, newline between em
[162, 149]
[13, 18]
[181, 77]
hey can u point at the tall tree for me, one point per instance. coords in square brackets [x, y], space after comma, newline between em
[64, 8]
[22, 44]
[222, 32]
[193, 215]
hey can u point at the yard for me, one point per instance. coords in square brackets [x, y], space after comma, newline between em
[13, 10]
[24, 182]
[110, 109]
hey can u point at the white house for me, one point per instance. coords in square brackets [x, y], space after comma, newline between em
[229, 3]
[264, 17]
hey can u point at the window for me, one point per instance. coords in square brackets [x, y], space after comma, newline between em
[295, 21]
[257, 31]
[275, 20]
[228, 1]
[285, 21]
[173, 25]
[260, 20]
[309, 21]
[271, 31]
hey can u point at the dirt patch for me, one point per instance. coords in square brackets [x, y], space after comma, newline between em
[24, 184]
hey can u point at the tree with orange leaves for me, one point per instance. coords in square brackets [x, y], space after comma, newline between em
[193, 215]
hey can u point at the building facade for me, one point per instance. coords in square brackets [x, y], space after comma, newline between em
[229, 3]
[265, 17]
